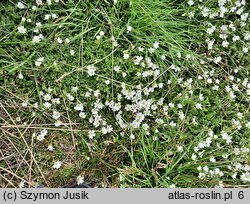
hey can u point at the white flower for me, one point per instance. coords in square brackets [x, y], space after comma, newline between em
[57, 165]
[82, 115]
[245, 49]
[42, 135]
[172, 124]
[37, 38]
[171, 105]
[47, 105]
[47, 97]
[151, 50]
[80, 179]
[129, 28]
[20, 5]
[190, 2]
[56, 115]
[74, 89]
[198, 106]
[156, 45]
[67, 40]
[49, 2]
[245, 177]
[58, 123]
[180, 148]
[236, 38]
[53, 15]
[226, 137]
[79, 107]
[248, 125]
[59, 40]
[125, 55]
[25, 103]
[47, 17]
[70, 97]
[91, 70]
[21, 29]
[132, 136]
[225, 43]
[217, 59]
[102, 33]
[117, 68]
[20, 76]
[194, 157]
[39, 2]
[140, 49]
[21, 184]
[39, 61]
[50, 148]
[91, 134]
[212, 159]
[72, 52]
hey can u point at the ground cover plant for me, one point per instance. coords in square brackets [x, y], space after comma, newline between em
[125, 93]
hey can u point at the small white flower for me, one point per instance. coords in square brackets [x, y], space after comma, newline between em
[47, 97]
[67, 40]
[194, 157]
[125, 56]
[91, 70]
[180, 148]
[91, 134]
[225, 43]
[80, 179]
[20, 76]
[117, 68]
[190, 2]
[129, 28]
[20, 5]
[21, 184]
[212, 159]
[47, 105]
[132, 136]
[198, 106]
[140, 49]
[59, 40]
[236, 38]
[50, 148]
[124, 74]
[40, 137]
[102, 33]
[217, 59]
[245, 49]
[82, 115]
[54, 16]
[25, 103]
[156, 45]
[58, 123]
[21, 29]
[57, 165]
[56, 115]
[79, 107]
[74, 89]
[72, 52]
[39, 61]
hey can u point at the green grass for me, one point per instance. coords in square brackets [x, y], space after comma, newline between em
[154, 158]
